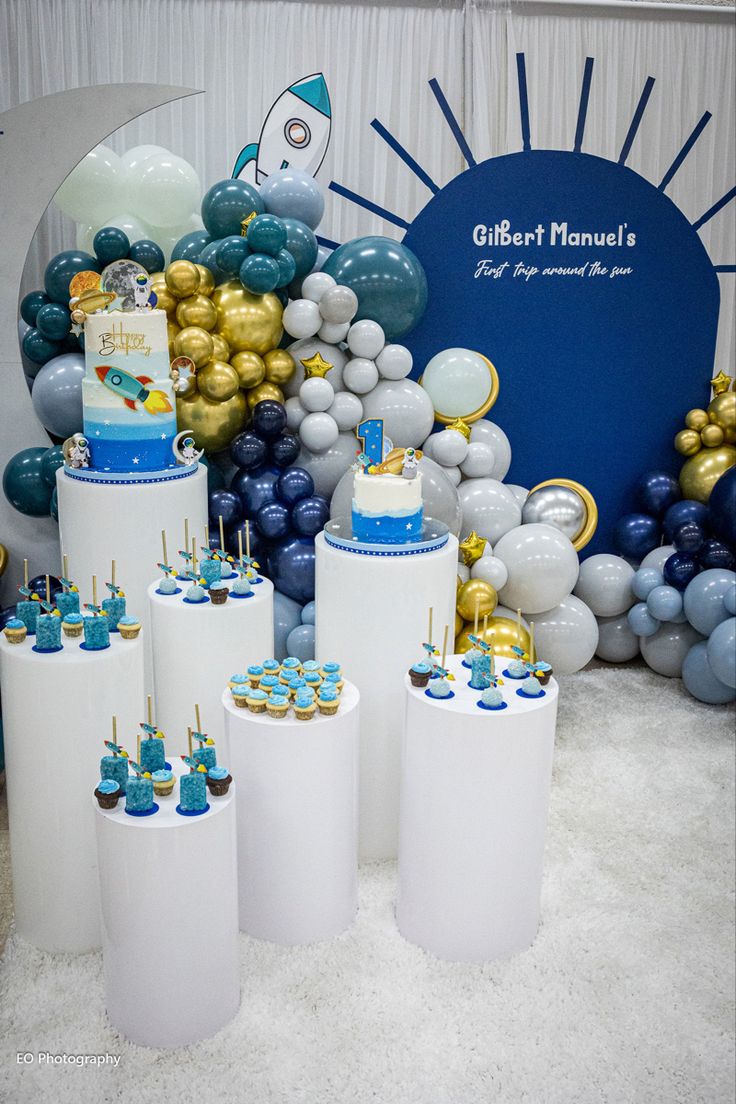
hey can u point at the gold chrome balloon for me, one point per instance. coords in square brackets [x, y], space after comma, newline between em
[213, 424]
[165, 300]
[712, 435]
[247, 321]
[476, 591]
[172, 331]
[197, 310]
[221, 347]
[262, 392]
[217, 381]
[459, 625]
[722, 410]
[687, 442]
[280, 366]
[700, 473]
[195, 343]
[182, 279]
[206, 280]
[591, 509]
[696, 419]
[3, 558]
[250, 367]
[505, 637]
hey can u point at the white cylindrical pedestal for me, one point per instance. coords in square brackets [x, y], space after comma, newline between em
[57, 713]
[474, 795]
[102, 522]
[372, 617]
[196, 650]
[168, 887]
[297, 821]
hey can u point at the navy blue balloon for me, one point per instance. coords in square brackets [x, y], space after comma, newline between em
[31, 304]
[255, 488]
[231, 253]
[38, 348]
[190, 246]
[226, 505]
[291, 569]
[146, 253]
[287, 267]
[635, 535]
[208, 258]
[62, 267]
[722, 508]
[310, 515]
[54, 322]
[269, 419]
[715, 553]
[227, 204]
[110, 244]
[294, 484]
[247, 450]
[688, 537]
[258, 547]
[680, 569]
[284, 450]
[215, 477]
[656, 491]
[302, 244]
[273, 521]
[6, 615]
[686, 510]
[213, 535]
[38, 585]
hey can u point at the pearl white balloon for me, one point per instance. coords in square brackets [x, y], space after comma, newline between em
[347, 410]
[302, 318]
[463, 572]
[478, 462]
[394, 362]
[449, 447]
[305, 350]
[318, 432]
[566, 636]
[163, 189]
[360, 376]
[327, 468]
[488, 433]
[338, 304]
[520, 493]
[295, 413]
[604, 584]
[406, 411]
[454, 475]
[315, 285]
[616, 642]
[316, 394]
[366, 339]
[491, 570]
[95, 188]
[440, 497]
[665, 650]
[333, 332]
[542, 565]
[658, 557]
[457, 381]
[489, 508]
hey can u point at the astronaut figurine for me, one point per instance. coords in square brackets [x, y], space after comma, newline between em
[79, 454]
[188, 452]
[142, 291]
[410, 465]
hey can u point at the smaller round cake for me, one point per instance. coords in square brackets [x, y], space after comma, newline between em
[387, 509]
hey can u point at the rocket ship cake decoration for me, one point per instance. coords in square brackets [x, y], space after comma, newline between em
[296, 132]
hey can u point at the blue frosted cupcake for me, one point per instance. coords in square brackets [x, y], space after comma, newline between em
[419, 673]
[15, 631]
[115, 767]
[129, 626]
[256, 701]
[153, 756]
[96, 632]
[328, 700]
[218, 781]
[255, 674]
[290, 667]
[240, 695]
[163, 781]
[331, 669]
[304, 705]
[139, 795]
[193, 792]
[48, 633]
[313, 679]
[311, 665]
[270, 682]
[271, 666]
[280, 690]
[277, 706]
[238, 680]
[335, 679]
[219, 593]
[73, 624]
[107, 793]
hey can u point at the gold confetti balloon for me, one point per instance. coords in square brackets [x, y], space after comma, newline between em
[505, 637]
[206, 280]
[197, 310]
[213, 424]
[250, 367]
[247, 321]
[696, 419]
[221, 347]
[700, 473]
[217, 381]
[195, 343]
[280, 366]
[182, 279]
[472, 592]
[262, 392]
[687, 442]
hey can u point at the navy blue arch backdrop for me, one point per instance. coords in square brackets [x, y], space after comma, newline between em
[589, 290]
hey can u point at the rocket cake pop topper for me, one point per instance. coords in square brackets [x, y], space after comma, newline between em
[194, 765]
[296, 132]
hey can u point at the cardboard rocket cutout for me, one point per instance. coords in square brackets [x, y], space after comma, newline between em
[296, 132]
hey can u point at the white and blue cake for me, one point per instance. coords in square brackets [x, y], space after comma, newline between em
[387, 509]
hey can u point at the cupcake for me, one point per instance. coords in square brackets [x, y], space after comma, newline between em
[167, 585]
[281, 690]
[271, 666]
[531, 687]
[294, 685]
[440, 688]
[129, 627]
[313, 679]
[255, 674]
[238, 680]
[72, 624]
[330, 669]
[16, 631]
[241, 585]
[219, 593]
[311, 665]
[335, 679]
[516, 669]
[107, 793]
[419, 673]
[492, 698]
[543, 672]
[290, 667]
[195, 594]
[304, 707]
[270, 682]
[277, 706]
[218, 781]
[240, 696]
[163, 782]
[256, 701]
[328, 700]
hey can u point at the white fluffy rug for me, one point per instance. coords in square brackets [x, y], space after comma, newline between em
[626, 995]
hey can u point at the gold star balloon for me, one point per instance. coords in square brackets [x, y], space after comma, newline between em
[472, 547]
[461, 427]
[245, 223]
[721, 383]
[316, 366]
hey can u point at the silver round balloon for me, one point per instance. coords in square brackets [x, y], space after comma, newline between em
[440, 497]
[57, 394]
[560, 507]
[327, 468]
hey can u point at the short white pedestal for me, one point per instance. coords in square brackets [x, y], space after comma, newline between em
[197, 648]
[102, 522]
[168, 887]
[297, 821]
[57, 713]
[372, 617]
[474, 795]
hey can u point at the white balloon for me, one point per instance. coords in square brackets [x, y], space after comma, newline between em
[85, 237]
[566, 636]
[327, 468]
[295, 413]
[302, 318]
[449, 447]
[163, 189]
[542, 565]
[520, 493]
[360, 376]
[616, 642]
[133, 157]
[406, 410]
[658, 557]
[479, 461]
[665, 650]
[366, 339]
[454, 475]
[347, 410]
[129, 224]
[333, 332]
[491, 570]
[316, 394]
[489, 508]
[305, 350]
[338, 304]
[94, 189]
[604, 584]
[463, 572]
[316, 284]
[318, 432]
[488, 433]
[394, 362]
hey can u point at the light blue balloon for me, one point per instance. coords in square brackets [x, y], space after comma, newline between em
[57, 394]
[664, 603]
[729, 599]
[641, 621]
[300, 642]
[286, 616]
[722, 652]
[704, 605]
[645, 580]
[309, 614]
[293, 193]
[699, 679]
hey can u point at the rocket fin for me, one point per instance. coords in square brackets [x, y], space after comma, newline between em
[130, 403]
[247, 155]
[144, 380]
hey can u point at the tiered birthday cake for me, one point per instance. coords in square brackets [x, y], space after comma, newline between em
[387, 509]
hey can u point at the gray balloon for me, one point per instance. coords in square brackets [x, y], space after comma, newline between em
[666, 649]
[406, 410]
[560, 507]
[305, 350]
[57, 394]
[440, 497]
[489, 508]
[328, 468]
[616, 642]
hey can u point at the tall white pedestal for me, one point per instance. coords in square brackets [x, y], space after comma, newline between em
[372, 617]
[196, 650]
[474, 795]
[297, 821]
[168, 888]
[102, 522]
[57, 713]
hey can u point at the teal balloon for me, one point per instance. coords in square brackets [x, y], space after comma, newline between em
[190, 246]
[259, 273]
[388, 279]
[38, 348]
[54, 505]
[287, 267]
[51, 461]
[231, 253]
[62, 267]
[227, 204]
[302, 244]
[266, 234]
[31, 304]
[110, 244]
[208, 258]
[146, 253]
[54, 321]
[24, 485]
